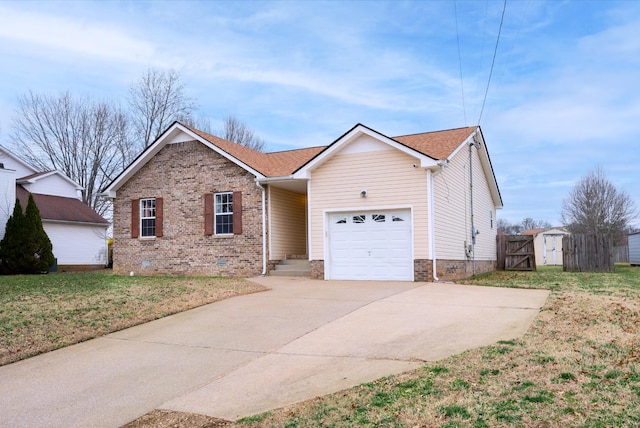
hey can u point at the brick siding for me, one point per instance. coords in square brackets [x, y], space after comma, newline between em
[181, 174]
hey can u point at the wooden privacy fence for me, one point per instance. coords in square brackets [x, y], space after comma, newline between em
[621, 254]
[587, 253]
[515, 252]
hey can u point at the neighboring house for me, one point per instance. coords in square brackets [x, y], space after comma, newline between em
[77, 233]
[365, 207]
[634, 249]
[548, 245]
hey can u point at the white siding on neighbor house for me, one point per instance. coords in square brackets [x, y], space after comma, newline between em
[20, 168]
[287, 223]
[7, 197]
[452, 211]
[388, 176]
[75, 244]
[634, 249]
[53, 185]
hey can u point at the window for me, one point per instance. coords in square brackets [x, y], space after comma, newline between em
[359, 219]
[224, 213]
[340, 219]
[378, 218]
[148, 217]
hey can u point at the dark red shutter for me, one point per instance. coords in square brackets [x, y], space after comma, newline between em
[208, 213]
[237, 213]
[159, 217]
[135, 218]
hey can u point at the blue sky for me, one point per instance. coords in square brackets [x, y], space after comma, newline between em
[564, 94]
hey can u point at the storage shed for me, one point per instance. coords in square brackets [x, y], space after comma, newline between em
[634, 249]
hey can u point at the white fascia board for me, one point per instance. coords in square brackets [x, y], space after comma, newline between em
[357, 131]
[171, 135]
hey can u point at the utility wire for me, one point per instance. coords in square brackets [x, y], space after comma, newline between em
[464, 108]
[495, 52]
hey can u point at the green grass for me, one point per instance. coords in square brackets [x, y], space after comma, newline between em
[579, 365]
[39, 313]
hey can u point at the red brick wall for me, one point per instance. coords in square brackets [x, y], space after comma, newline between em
[181, 174]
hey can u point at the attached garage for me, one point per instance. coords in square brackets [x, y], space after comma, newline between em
[370, 245]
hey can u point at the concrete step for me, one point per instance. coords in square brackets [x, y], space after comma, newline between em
[300, 273]
[294, 262]
[292, 267]
[296, 266]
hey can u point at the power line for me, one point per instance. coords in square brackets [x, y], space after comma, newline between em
[464, 108]
[495, 52]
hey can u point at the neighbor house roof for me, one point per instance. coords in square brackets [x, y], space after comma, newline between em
[59, 208]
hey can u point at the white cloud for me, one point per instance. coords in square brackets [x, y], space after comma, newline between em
[61, 35]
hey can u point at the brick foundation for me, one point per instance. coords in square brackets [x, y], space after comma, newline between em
[422, 270]
[458, 269]
[317, 269]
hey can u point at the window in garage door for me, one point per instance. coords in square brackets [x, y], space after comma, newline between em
[370, 245]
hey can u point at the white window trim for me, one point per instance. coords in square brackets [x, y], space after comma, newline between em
[216, 214]
[142, 218]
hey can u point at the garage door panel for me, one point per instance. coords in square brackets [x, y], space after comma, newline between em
[370, 245]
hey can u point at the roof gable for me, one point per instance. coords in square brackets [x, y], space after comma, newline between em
[33, 178]
[354, 135]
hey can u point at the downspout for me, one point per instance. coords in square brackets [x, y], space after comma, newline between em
[473, 228]
[264, 230]
[430, 213]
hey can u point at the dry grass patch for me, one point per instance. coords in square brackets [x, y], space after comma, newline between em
[40, 313]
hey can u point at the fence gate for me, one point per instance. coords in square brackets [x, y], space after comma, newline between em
[516, 252]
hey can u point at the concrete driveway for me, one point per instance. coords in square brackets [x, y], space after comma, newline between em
[249, 354]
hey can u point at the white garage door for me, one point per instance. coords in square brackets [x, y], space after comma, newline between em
[370, 245]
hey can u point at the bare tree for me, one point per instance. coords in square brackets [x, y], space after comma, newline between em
[595, 205]
[529, 223]
[86, 140]
[238, 132]
[509, 228]
[158, 99]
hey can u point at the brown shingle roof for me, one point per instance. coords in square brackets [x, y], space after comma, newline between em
[59, 208]
[439, 144]
[276, 164]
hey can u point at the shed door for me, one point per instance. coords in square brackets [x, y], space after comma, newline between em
[370, 245]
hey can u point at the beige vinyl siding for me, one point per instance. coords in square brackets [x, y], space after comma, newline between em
[452, 215]
[390, 179]
[287, 223]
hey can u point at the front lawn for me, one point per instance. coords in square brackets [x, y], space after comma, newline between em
[578, 366]
[39, 313]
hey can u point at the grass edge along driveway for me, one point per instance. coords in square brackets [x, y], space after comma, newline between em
[40, 313]
[578, 365]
